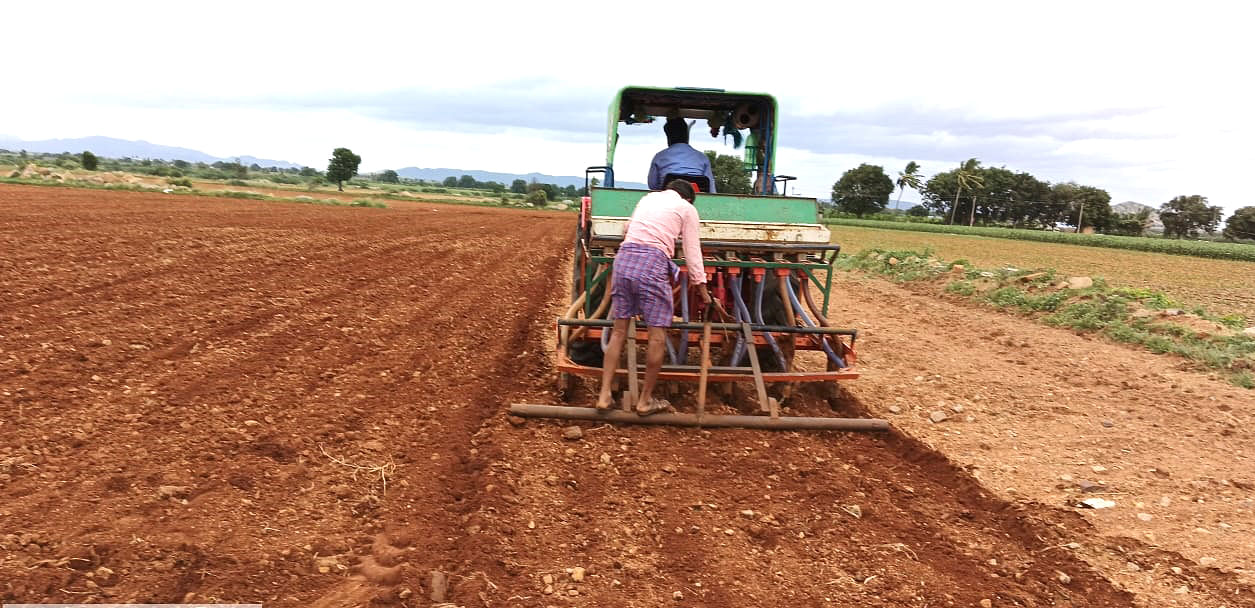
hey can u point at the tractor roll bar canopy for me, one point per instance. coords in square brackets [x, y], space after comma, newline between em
[754, 112]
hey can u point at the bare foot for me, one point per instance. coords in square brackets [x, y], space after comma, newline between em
[653, 407]
[604, 402]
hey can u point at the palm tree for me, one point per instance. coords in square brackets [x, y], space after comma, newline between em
[966, 178]
[908, 177]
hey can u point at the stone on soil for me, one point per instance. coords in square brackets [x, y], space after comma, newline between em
[572, 433]
[1086, 485]
[1080, 282]
[172, 491]
[439, 586]
[937, 416]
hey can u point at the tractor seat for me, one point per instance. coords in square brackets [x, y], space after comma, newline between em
[703, 184]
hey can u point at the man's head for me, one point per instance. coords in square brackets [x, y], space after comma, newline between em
[677, 131]
[683, 188]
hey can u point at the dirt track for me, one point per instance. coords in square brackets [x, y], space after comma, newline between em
[203, 398]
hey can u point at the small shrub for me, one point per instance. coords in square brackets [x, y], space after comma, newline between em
[963, 288]
[182, 181]
[537, 198]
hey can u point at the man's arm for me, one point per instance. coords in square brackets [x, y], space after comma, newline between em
[692, 246]
[710, 175]
[654, 179]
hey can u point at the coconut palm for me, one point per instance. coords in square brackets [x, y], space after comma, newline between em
[908, 177]
[966, 178]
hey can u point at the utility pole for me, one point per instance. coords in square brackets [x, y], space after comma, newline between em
[1080, 217]
[972, 221]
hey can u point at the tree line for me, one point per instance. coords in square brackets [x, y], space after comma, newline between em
[974, 194]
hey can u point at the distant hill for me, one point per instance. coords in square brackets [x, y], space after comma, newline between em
[1131, 207]
[111, 147]
[436, 175]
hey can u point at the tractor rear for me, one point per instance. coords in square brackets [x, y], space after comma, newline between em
[768, 261]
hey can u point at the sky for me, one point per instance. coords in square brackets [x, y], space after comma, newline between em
[1147, 100]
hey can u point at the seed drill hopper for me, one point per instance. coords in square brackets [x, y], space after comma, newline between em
[768, 260]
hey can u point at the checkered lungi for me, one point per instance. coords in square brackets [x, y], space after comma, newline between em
[642, 285]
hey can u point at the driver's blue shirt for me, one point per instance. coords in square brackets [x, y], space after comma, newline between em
[679, 159]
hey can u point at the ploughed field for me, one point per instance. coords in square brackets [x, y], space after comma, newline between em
[216, 400]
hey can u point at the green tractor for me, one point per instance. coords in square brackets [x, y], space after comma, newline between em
[767, 258]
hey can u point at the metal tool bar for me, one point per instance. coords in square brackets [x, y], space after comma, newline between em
[709, 421]
[784, 329]
[755, 245]
[705, 373]
[759, 386]
[631, 365]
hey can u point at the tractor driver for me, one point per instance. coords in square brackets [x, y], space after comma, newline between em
[643, 274]
[679, 158]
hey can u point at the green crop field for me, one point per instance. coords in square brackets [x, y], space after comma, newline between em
[1222, 286]
[1204, 249]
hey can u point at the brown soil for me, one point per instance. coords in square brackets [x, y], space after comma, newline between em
[221, 400]
[1044, 411]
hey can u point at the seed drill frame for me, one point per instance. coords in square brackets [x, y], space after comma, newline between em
[753, 244]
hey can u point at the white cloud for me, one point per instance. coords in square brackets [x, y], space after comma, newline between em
[1147, 100]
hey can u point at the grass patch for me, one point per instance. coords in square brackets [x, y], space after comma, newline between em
[1097, 308]
[1202, 249]
[963, 288]
[1243, 379]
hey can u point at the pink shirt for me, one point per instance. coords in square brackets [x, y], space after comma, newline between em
[659, 218]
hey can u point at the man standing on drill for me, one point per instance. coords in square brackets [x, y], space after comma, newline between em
[643, 274]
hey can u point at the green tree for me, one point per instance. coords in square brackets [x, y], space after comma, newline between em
[1083, 205]
[342, 166]
[518, 186]
[537, 198]
[908, 178]
[89, 160]
[388, 176]
[918, 211]
[450, 182]
[863, 189]
[968, 177]
[1186, 215]
[1129, 224]
[730, 175]
[466, 181]
[551, 191]
[1240, 225]
[309, 172]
